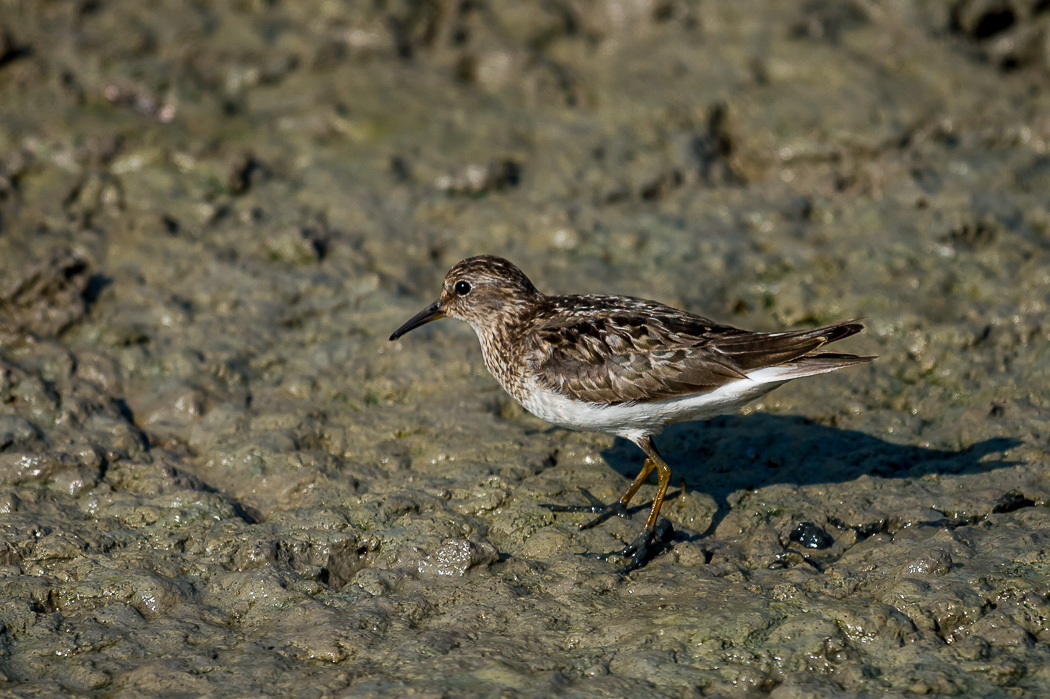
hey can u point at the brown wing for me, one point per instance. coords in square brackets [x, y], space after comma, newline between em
[639, 357]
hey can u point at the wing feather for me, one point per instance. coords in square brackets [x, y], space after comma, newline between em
[651, 353]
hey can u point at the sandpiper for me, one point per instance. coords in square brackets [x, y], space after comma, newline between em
[620, 365]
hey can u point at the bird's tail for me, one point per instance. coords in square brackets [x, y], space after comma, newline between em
[796, 351]
[821, 364]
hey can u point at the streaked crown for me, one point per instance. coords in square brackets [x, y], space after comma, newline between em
[485, 289]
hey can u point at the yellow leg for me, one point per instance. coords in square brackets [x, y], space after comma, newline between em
[619, 507]
[653, 460]
[642, 476]
[638, 551]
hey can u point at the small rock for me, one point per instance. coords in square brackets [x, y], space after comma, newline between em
[457, 556]
[933, 562]
[811, 536]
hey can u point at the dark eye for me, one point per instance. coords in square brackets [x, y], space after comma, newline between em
[462, 288]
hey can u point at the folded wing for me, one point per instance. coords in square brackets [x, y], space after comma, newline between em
[633, 358]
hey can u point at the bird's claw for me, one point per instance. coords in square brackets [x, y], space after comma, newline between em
[614, 508]
[639, 551]
[596, 506]
[649, 543]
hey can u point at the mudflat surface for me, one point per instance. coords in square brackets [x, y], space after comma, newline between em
[219, 477]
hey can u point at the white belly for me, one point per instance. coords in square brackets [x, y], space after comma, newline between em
[631, 420]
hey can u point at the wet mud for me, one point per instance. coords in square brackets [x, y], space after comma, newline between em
[220, 478]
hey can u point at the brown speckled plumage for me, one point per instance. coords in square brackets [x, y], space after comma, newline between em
[619, 364]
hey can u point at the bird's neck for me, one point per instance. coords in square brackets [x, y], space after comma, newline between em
[502, 346]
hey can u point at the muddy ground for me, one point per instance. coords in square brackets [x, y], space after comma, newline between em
[219, 477]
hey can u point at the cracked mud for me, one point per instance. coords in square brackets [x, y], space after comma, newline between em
[219, 478]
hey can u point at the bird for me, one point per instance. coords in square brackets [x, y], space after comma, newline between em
[621, 365]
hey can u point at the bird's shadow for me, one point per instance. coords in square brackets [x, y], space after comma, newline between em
[727, 454]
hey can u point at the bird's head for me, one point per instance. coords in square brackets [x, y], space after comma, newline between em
[481, 290]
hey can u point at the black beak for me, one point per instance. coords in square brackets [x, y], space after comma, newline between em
[431, 312]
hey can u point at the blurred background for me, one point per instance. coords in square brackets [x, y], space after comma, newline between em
[219, 476]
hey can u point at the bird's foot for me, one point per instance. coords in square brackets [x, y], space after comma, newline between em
[596, 506]
[642, 549]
